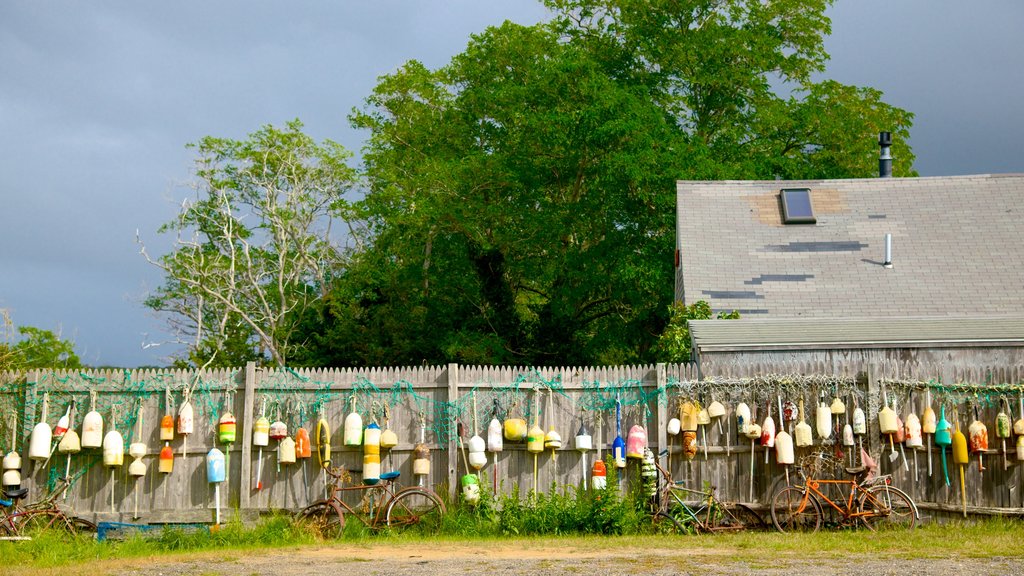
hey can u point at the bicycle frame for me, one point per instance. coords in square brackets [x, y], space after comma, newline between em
[375, 515]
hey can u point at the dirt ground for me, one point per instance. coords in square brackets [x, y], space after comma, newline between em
[539, 558]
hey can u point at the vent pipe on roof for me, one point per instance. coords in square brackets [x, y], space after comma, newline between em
[888, 251]
[884, 157]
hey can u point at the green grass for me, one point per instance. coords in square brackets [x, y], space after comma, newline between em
[49, 552]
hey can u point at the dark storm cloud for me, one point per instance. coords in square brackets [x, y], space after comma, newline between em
[98, 99]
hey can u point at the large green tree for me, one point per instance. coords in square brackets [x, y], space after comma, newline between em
[521, 198]
[255, 247]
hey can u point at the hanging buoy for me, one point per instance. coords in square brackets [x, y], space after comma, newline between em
[552, 439]
[166, 464]
[42, 435]
[768, 435]
[515, 429]
[860, 422]
[227, 428]
[286, 451]
[943, 438]
[215, 474]
[303, 448]
[599, 475]
[784, 448]
[353, 426]
[673, 427]
[978, 433]
[260, 439]
[636, 441]
[63, 424]
[823, 419]
[689, 444]
[12, 460]
[754, 434]
[185, 421]
[961, 458]
[649, 473]
[371, 452]
[388, 438]
[420, 452]
[495, 444]
[928, 424]
[323, 443]
[167, 428]
[789, 412]
[137, 450]
[912, 433]
[113, 447]
[583, 442]
[495, 441]
[802, 431]
[69, 444]
[535, 437]
[716, 410]
[837, 407]
[261, 432]
[1003, 430]
[279, 431]
[887, 424]
[742, 418]
[688, 416]
[476, 445]
[113, 453]
[619, 445]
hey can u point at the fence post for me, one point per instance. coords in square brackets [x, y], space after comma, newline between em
[453, 447]
[27, 422]
[244, 480]
[662, 383]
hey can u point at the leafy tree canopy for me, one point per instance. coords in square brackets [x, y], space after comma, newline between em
[34, 348]
[521, 199]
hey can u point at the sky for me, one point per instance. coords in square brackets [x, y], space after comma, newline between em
[98, 100]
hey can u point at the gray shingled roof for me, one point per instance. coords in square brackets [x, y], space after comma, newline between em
[840, 333]
[958, 248]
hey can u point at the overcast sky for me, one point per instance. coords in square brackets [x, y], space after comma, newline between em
[98, 99]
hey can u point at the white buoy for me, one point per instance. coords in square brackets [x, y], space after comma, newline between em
[12, 460]
[353, 427]
[42, 434]
[476, 444]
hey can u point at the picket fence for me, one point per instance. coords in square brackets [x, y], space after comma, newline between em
[439, 398]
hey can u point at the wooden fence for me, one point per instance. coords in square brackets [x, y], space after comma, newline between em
[442, 396]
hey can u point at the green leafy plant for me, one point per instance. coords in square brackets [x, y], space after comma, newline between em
[674, 344]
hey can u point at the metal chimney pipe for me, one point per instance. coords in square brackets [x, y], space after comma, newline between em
[888, 251]
[884, 157]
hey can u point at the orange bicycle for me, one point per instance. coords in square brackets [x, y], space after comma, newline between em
[875, 505]
[384, 504]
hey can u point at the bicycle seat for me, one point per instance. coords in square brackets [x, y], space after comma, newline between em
[16, 494]
[390, 475]
[856, 471]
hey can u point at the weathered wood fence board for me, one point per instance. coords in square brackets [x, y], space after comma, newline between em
[562, 396]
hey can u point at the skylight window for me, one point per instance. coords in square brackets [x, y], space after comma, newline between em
[796, 206]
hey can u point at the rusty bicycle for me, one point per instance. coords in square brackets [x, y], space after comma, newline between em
[382, 505]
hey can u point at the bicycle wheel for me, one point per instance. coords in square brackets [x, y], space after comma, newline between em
[415, 507]
[741, 517]
[795, 511]
[36, 521]
[665, 523]
[82, 526]
[891, 508]
[324, 518]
